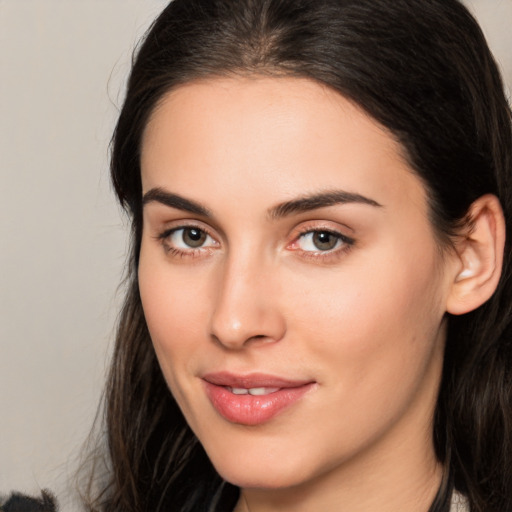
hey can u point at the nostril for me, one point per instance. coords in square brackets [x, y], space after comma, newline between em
[259, 339]
[239, 343]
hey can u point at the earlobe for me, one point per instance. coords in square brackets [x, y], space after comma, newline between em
[480, 256]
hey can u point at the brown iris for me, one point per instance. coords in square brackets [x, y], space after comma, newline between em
[325, 241]
[193, 237]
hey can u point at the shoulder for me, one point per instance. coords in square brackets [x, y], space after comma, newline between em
[17, 502]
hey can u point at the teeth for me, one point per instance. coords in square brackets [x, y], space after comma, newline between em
[253, 391]
[262, 391]
[239, 391]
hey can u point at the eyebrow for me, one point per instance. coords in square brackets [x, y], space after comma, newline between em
[299, 205]
[160, 195]
[321, 200]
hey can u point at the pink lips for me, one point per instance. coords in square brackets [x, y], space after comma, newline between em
[270, 395]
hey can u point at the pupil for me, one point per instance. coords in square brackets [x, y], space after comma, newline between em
[194, 237]
[324, 240]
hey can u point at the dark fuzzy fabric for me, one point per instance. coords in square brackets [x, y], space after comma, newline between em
[21, 503]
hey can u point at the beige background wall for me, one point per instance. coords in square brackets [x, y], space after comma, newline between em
[62, 65]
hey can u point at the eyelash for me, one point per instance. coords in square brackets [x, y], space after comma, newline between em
[325, 256]
[184, 253]
[328, 255]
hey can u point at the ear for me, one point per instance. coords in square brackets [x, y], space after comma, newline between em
[480, 256]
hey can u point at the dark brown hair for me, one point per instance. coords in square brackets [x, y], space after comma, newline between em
[421, 68]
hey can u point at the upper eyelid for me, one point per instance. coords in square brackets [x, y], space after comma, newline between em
[324, 225]
[162, 225]
[334, 231]
[170, 227]
[334, 220]
[347, 240]
[210, 223]
[295, 233]
[170, 231]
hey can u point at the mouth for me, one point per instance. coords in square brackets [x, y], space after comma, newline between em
[252, 391]
[252, 399]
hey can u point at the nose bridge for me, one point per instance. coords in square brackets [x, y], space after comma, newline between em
[245, 307]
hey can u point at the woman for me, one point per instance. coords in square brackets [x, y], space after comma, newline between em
[318, 306]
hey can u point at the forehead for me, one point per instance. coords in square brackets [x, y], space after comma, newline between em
[276, 136]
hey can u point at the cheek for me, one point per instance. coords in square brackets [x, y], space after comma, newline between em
[176, 323]
[375, 336]
[174, 305]
[374, 323]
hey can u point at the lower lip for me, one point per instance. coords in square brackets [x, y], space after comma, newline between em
[253, 410]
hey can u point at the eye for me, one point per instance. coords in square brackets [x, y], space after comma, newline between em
[188, 238]
[321, 241]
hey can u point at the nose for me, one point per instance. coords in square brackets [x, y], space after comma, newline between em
[246, 309]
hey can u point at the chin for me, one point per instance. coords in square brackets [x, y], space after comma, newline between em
[263, 473]
[260, 479]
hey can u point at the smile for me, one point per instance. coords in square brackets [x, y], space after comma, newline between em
[253, 391]
[254, 399]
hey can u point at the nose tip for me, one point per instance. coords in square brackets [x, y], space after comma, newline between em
[246, 313]
[236, 338]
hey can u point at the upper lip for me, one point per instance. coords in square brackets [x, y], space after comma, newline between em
[252, 380]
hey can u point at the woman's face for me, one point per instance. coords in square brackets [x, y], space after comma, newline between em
[291, 281]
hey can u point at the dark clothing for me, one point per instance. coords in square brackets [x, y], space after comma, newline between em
[21, 503]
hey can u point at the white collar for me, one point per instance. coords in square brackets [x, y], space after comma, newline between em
[459, 503]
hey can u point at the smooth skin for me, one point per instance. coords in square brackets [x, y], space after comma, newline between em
[352, 294]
